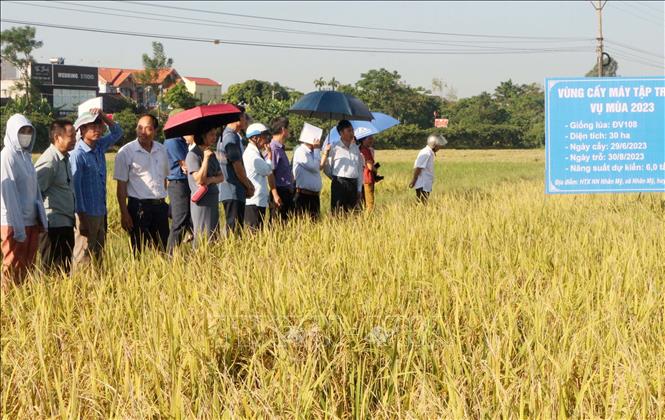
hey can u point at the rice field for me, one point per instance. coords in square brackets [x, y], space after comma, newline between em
[492, 301]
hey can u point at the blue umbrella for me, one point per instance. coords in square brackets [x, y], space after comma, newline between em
[362, 129]
[331, 105]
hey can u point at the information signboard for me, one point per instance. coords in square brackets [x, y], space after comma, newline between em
[605, 135]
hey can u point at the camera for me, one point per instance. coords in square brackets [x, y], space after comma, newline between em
[377, 177]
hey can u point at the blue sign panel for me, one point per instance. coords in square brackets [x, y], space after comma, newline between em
[605, 135]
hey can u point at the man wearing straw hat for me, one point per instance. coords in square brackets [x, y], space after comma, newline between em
[423, 169]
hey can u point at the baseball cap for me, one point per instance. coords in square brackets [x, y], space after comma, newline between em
[256, 129]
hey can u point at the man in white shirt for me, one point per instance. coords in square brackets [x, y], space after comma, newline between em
[343, 164]
[258, 168]
[141, 168]
[307, 175]
[423, 169]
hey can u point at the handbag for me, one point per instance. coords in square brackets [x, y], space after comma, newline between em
[200, 192]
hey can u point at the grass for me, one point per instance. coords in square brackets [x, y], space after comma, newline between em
[492, 301]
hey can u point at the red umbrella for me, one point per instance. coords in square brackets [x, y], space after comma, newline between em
[188, 122]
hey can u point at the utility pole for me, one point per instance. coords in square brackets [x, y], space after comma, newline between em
[599, 46]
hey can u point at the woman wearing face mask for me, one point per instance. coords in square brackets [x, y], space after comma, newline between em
[22, 208]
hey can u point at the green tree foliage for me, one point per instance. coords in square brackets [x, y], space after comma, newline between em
[127, 120]
[17, 46]
[385, 91]
[179, 97]
[510, 117]
[152, 65]
[320, 83]
[249, 91]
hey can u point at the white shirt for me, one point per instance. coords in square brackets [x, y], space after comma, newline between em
[257, 168]
[345, 162]
[425, 161]
[306, 169]
[145, 172]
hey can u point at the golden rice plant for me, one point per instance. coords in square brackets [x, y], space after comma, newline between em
[492, 301]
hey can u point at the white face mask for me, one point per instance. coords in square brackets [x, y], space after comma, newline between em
[24, 140]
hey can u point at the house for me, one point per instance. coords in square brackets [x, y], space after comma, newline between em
[8, 81]
[128, 83]
[204, 89]
[113, 80]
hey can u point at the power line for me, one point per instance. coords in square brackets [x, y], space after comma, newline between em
[410, 51]
[623, 51]
[649, 6]
[631, 59]
[632, 12]
[198, 22]
[303, 32]
[355, 26]
[645, 8]
[649, 53]
[639, 57]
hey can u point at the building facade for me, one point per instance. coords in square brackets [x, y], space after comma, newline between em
[64, 86]
[204, 89]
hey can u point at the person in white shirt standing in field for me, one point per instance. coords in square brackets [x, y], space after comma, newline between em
[344, 164]
[307, 175]
[423, 169]
[258, 167]
[141, 168]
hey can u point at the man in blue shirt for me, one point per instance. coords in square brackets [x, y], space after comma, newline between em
[236, 187]
[178, 188]
[89, 180]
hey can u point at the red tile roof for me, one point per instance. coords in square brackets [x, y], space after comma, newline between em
[203, 81]
[116, 76]
[161, 75]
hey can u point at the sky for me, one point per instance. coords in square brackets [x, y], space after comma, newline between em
[633, 31]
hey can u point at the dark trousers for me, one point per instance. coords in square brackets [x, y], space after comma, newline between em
[286, 210]
[254, 217]
[57, 246]
[422, 196]
[343, 194]
[234, 212]
[307, 204]
[151, 223]
[181, 219]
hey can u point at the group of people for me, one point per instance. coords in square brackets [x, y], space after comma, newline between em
[58, 205]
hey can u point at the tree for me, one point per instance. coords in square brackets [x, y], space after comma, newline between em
[249, 91]
[179, 97]
[333, 83]
[610, 67]
[477, 110]
[17, 46]
[151, 67]
[319, 83]
[525, 105]
[385, 91]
